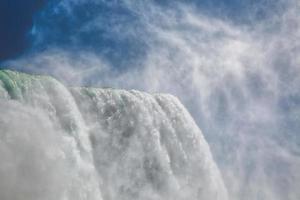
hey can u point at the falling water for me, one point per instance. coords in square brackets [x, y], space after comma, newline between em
[89, 143]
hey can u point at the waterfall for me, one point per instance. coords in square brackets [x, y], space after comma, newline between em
[77, 143]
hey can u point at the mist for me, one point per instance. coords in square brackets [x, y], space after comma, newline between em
[239, 80]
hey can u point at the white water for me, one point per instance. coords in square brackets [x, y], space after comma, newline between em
[86, 143]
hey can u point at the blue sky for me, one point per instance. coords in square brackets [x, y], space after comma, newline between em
[37, 24]
[234, 65]
[16, 20]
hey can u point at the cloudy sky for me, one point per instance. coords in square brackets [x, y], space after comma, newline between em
[234, 64]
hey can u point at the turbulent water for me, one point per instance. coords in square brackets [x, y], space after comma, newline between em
[88, 143]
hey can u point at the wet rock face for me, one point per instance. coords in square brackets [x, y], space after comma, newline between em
[108, 144]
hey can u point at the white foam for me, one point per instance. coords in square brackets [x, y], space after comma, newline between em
[87, 143]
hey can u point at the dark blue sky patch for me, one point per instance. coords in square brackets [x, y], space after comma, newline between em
[16, 20]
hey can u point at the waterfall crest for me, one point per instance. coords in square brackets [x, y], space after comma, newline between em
[91, 143]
